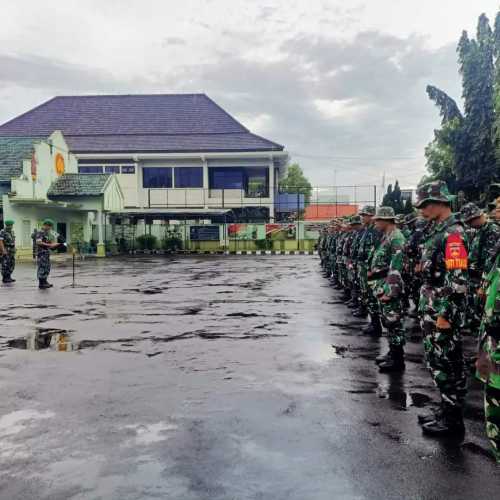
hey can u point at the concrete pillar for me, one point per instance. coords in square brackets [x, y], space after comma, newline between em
[271, 190]
[205, 182]
[101, 248]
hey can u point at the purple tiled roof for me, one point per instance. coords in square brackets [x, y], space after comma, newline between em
[171, 143]
[161, 122]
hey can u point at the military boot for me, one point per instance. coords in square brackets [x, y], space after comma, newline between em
[451, 423]
[360, 312]
[396, 361]
[43, 284]
[352, 304]
[374, 328]
[383, 358]
[8, 279]
[427, 418]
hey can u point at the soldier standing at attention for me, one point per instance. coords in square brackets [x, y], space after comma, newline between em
[442, 307]
[488, 364]
[482, 254]
[44, 242]
[367, 243]
[387, 285]
[8, 251]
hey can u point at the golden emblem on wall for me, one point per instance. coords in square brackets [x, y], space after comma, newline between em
[59, 164]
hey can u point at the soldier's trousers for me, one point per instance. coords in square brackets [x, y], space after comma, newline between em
[8, 265]
[444, 357]
[368, 299]
[43, 266]
[391, 314]
[488, 371]
[492, 415]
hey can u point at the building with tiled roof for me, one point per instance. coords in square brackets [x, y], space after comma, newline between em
[173, 154]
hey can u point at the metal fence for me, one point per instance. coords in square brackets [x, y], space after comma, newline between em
[291, 223]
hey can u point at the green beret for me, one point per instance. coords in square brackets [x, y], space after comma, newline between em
[9, 222]
[49, 222]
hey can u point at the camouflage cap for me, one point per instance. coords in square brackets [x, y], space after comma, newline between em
[367, 210]
[385, 213]
[355, 219]
[436, 191]
[400, 219]
[470, 211]
[411, 218]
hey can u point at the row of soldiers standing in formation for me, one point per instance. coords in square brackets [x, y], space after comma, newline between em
[448, 265]
[44, 240]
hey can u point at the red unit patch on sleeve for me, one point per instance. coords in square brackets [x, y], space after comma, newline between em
[456, 254]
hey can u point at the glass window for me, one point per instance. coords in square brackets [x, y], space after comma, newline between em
[257, 182]
[188, 177]
[94, 169]
[226, 178]
[157, 177]
[112, 169]
[129, 169]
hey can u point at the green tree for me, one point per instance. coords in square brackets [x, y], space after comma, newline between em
[297, 182]
[393, 198]
[463, 150]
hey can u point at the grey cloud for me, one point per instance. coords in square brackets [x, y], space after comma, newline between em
[39, 72]
[173, 40]
[384, 75]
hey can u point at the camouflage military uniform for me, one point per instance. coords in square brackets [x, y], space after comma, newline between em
[385, 280]
[481, 259]
[413, 252]
[43, 254]
[357, 232]
[488, 365]
[369, 240]
[9, 260]
[443, 293]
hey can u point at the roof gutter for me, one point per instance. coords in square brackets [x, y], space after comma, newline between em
[150, 156]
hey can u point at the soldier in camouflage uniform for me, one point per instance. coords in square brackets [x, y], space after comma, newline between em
[488, 364]
[442, 307]
[413, 251]
[386, 282]
[8, 251]
[356, 229]
[45, 241]
[367, 243]
[321, 245]
[343, 233]
[481, 257]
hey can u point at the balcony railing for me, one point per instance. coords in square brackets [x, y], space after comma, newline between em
[200, 198]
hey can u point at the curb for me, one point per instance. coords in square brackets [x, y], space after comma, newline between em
[224, 252]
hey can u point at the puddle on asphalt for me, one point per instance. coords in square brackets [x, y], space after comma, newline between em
[14, 422]
[44, 338]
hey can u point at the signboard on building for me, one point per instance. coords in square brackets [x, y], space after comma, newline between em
[204, 233]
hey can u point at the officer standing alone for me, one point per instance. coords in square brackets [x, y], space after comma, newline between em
[8, 251]
[44, 243]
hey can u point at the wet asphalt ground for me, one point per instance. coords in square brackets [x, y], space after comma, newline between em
[215, 378]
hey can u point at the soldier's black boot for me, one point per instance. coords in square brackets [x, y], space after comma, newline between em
[396, 361]
[374, 328]
[451, 423]
[360, 312]
[8, 279]
[353, 303]
[42, 284]
[427, 418]
[383, 358]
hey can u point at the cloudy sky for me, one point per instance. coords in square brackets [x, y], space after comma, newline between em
[343, 88]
